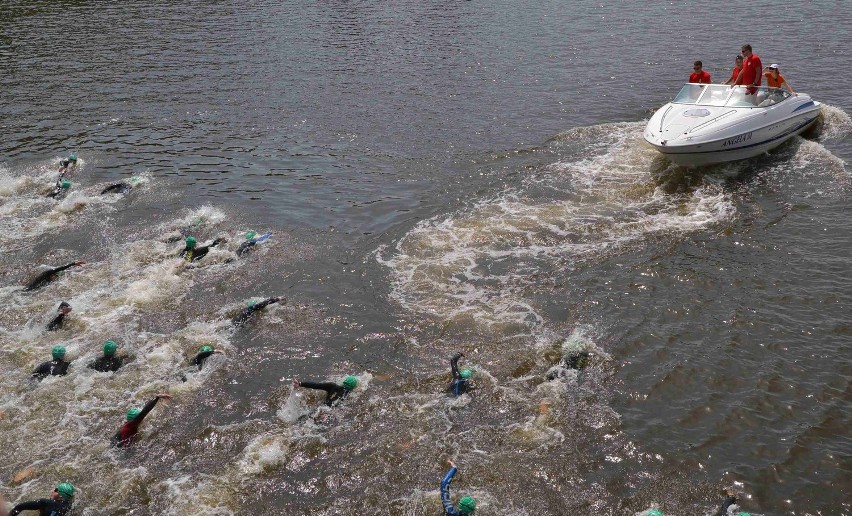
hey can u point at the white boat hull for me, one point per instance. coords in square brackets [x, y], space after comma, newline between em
[695, 134]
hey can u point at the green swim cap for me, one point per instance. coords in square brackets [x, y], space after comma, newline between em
[250, 235]
[134, 180]
[654, 512]
[465, 373]
[65, 184]
[65, 489]
[251, 303]
[745, 514]
[72, 157]
[467, 505]
[132, 413]
[350, 382]
[109, 348]
[191, 241]
[205, 349]
[58, 352]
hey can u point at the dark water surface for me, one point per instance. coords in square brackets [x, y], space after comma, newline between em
[439, 177]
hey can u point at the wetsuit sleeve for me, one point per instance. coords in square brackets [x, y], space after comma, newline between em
[266, 302]
[445, 493]
[60, 269]
[333, 391]
[42, 370]
[147, 408]
[454, 365]
[35, 505]
[56, 323]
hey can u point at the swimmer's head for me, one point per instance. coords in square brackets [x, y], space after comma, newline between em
[467, 505]
[65, 185]
[190, 242]
[72, 158]
[109, 348]
[250, 235]
[466, 373]
[58, 352]
[65, 489]
[205, 349]
[132, 413]
[350, 382]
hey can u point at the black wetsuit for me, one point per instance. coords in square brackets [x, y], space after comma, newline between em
[248, 312]
[729, 501]
[200, 358]
[333, 391]
[57, 322]
[459, 385]
[245, 247]
[58, 192]
[126, 435]
[46, 277]
[106, 364]
[197, 253]
[577, 360]
[56, 367]
[45, 506]
[117, 188]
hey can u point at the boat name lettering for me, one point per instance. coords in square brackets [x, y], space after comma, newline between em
[738, 139]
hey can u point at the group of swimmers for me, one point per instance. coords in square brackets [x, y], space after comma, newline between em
[60, 503]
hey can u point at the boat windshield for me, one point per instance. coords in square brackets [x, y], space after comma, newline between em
[738, 96]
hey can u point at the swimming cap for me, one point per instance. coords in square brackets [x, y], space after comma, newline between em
[58, 352]
[109, 348]
[191, 241]
[134, 180]
[251, 303]
[65, 489]
[350, 382]
[465, 373]
[467, 505]
[72, 157]
[132, 413]
[745, 514]
[250, 235]
[653, 512]
[65, 184]
[205, 349]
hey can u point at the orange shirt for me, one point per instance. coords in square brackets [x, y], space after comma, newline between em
[772, 82]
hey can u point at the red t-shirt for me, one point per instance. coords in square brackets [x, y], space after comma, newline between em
[750, 66]
[700, 78]
[734, 74]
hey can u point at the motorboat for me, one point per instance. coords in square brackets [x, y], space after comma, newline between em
[715, 123]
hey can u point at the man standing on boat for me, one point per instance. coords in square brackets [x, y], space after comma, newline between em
[752, 72]
[699, 75]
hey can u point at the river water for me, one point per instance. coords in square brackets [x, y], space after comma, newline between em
[438, 177]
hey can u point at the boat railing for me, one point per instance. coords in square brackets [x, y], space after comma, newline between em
[730, 96]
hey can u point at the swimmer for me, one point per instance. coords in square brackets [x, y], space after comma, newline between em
[251, 241]
[57, 322]
[252, 308]
[730, 500]
[109, 362]
[49, 275]
[204, 352]
[333, 391]
[126, 435]
[122, 187]
[467, 505]
[67, 165]
[59, 504]
[193, 253]
[56, 367]
[461, 379]
[61, 190]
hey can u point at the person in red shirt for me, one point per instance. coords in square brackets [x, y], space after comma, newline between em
[699, 76]
[126, 435]
[752, 72]
[738, 65]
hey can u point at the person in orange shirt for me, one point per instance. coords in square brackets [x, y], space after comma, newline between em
[738, 66]
[699, 75]
[774, 79]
